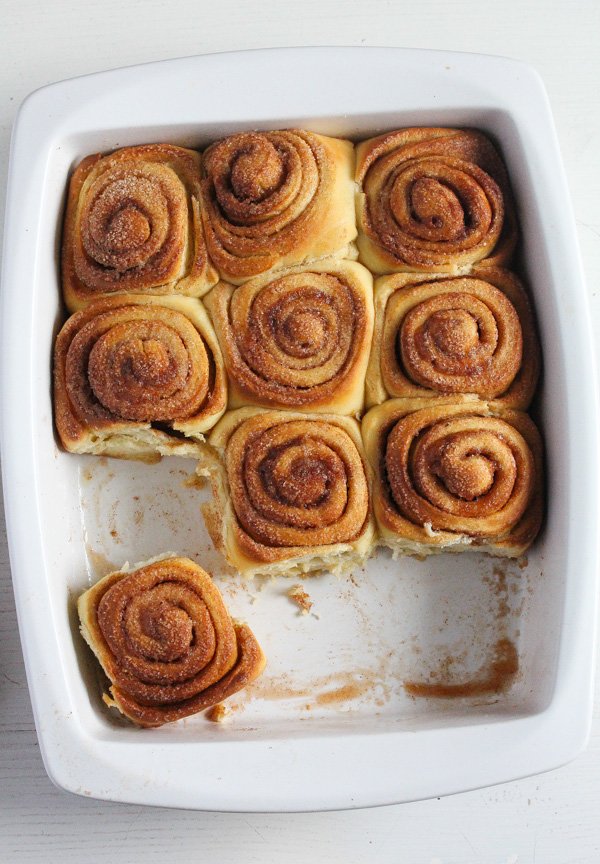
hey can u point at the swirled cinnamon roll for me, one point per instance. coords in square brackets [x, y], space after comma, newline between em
[133, 224]
[450, 474]
[433, 201]
[436, 335]
[138, 377]
[165, 640]
[276, 199]
[291, 493]
[300, 340]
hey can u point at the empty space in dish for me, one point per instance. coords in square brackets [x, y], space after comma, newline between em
[346, 660]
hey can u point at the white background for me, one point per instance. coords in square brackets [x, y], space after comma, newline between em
[550, 819]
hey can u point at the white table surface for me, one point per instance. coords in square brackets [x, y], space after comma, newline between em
[550, 819]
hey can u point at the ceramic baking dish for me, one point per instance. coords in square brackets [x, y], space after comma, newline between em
[330, 724]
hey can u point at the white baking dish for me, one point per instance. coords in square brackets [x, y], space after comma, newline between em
[329, 725]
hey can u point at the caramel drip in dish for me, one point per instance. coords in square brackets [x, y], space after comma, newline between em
[297, 483]
[434, 199]
[494, 678]
[459, 472]
[260, 191]
[166, 641]
[296, 340]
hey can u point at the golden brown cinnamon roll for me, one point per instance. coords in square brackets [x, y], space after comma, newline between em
[275, 199]
[138, 377]
[450, 474]
[299, 340]
[165, 640]
[133, 224]
[291, 493]
[432, 200]
[438, 335]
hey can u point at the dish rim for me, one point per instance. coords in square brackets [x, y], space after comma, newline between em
[274, 774]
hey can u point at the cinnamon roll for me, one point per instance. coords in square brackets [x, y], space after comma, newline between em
[133, 224]
[299, 340]
[138, 377]
[291, 493]
[433, 201]
[438, 335]
[275, 199]
[165, 640]
[451, 474]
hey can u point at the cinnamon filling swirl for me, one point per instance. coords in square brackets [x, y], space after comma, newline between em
[166, 641]
[433, 199]
[468, 474]
[133, 224]
[457, 336]
[298, 483]
[264, 195]
[138, 363]
[296, 340]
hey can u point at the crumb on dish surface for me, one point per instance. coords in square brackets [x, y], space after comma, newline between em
[299, 596]
[218, 713]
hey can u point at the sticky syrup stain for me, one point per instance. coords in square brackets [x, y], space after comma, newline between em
[495, 678]
[343, 694]
[449, 678]
[329, 690]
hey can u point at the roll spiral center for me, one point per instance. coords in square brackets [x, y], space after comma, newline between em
[257, 171]
[433, 204]
[302, 333]
[466, 473]
[169, 628]
[453, 331]
[302, 479]
[127, 229]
